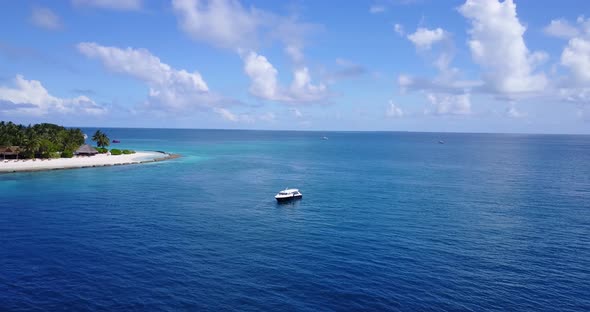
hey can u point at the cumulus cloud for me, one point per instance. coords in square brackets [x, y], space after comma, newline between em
[561, 28]
[223, 23]
[497, 45]
[45, 18]
[449, 104]
[393, 110]
[424, 38]
[576, 54]
[576, 57]
[448, 79]
[120, 5]
[265, 85]
[29, 97]
[169, 88]
[229, 24]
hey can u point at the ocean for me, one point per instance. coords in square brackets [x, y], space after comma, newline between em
[389, 221]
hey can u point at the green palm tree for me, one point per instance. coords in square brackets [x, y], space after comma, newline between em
[32, 146]
[96, 136]
[101, 139]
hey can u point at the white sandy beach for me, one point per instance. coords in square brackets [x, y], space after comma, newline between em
[80, 162]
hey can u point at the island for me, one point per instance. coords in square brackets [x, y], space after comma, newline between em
[52, 147]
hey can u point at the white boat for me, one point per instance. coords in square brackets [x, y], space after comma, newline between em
[324, 138]
[288, 194]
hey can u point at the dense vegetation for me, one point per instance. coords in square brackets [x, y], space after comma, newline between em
[116, 151]
[42, 140]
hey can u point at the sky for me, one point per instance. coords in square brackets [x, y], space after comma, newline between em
[515, 66]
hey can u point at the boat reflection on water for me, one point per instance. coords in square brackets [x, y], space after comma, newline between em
[288, 204]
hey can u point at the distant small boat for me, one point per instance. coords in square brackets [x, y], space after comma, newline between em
[288, 194]
[441, 142]
[116, 141]
[85, 136]
[324, 138]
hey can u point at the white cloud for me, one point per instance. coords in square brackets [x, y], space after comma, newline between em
[424, 38]
[223, 23]
[228, 24]
[498, 46]
[263, 75]
[141, 64]
[31, 98]
[121, 5]
[169, 88]
[576, 57]
[264, 81]
[302, 88]
[393, 110]
[375, 9]
[575, 95]
[448, 92]
[45, 18]
[226, 114]
[561, 28]
[449, 104]
[399, 29]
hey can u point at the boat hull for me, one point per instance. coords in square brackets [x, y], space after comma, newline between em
[286, 199]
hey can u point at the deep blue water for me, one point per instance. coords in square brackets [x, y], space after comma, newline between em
[388, 221]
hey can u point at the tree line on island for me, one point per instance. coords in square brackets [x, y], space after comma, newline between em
[47, 140]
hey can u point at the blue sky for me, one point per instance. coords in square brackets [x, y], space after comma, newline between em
[403, 65]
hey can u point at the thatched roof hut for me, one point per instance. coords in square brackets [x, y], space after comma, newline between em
[9, 151]
[86, 150]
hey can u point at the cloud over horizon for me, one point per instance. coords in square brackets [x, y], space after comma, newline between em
[29, 97]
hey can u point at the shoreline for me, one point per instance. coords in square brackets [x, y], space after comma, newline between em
[100, 160]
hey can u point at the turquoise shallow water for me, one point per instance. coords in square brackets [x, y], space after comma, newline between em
[389, 221]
